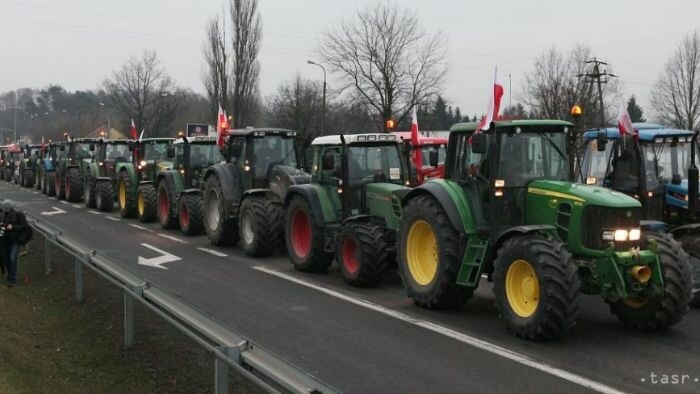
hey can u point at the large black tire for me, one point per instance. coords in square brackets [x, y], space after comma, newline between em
[42, 183]
[260, 225]
[28, 178]
[691, 245]
[439, 290]
[104, 198]
[125, 198]
[166, 217]
[89, 191]
[362, 253]
[221, 231]
[2, 174]
[59, 186]
[190, 214]
[74, 185]
[304, 237]
[37, 179]
[50, 183]
[537, 287]
[669, 307]
[8, 175]
[147, 203]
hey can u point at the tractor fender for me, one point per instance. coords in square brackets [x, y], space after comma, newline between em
[231, 183]
[357, 219]
[311, 195]
[103, 179]
[437, 191]
[130, 171]
[192, 191]
[544, 229]
[146, 182]
[685, 229]
[169, 179]
[653, 226]
[269, 194]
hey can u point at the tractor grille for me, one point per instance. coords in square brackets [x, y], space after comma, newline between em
[596, 219]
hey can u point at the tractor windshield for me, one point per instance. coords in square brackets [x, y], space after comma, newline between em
[83, 150]
[272, 150]
[532, 155]
[664, 160]
[118, 152]
[205, 155]
[375, 163]
[155, 151]
[425, 153]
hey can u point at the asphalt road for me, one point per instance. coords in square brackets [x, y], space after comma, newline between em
[376, 340]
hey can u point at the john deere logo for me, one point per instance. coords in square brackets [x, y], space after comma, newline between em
[553, 203]
[629, 214]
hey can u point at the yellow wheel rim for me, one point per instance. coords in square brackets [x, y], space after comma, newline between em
[522, 288]
[422, 252]
[141, 204]
[122, 195]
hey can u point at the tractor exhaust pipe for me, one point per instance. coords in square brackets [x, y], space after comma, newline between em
[693, 179]
[641, 273]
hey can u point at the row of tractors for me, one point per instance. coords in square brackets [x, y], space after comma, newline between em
[505, 205]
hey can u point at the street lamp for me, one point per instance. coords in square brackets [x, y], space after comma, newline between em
[323, 115]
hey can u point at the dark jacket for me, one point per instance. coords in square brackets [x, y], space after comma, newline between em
[18, 222]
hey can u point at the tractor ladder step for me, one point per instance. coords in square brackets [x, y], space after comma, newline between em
[472, 263]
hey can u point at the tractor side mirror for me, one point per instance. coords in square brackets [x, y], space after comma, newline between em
[433, 157]
[602, 140]
[328, 161]
[131, 145]
[479, 143]
[62, 148]
[676, 179]
[91, 147]
[170, 152]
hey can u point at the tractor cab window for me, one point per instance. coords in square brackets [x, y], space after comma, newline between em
[238, 150]
[374, 163]
[663, 160]
[625, 167]
[82, 150]
[329, 175]
[118, 153]
[272, 150]
[425, 154]
[155, 151]
[467, 164]
[532, 155]
[205, 155]
[597, 164]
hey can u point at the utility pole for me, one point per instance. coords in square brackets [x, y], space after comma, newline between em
[599, 76]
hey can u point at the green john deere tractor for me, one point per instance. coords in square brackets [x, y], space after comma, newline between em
[136, 193]
[244, 196]
[111, 158]
[507, 208]
[27, 167]
[351, 209]
[180, 187]
[71, 167]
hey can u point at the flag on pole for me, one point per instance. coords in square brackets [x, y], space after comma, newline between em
[141, 136]
[417, 157]
[221, 128]
[624, 121]
[493, 108]
[132, 129]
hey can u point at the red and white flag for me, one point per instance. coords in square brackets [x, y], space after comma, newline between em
[132, 130]
[493, 109]
[417, 158]
[221, 127]
[624, 121]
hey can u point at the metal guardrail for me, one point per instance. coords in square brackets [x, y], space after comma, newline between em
[230, 350]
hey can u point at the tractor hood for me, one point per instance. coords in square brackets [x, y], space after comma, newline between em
[164, 165]
[295, 175]
[589, 195]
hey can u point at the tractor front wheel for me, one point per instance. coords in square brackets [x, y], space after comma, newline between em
[147, 203]
[220, 230]
[190, 217]
[691, 245]
[50, 183]
[166, 217]
[304, 238]
[537, 287]
[28, 178]
[362, 254]
[429, 258]
[105, 196]
[126, 199]
[259, 226]
[73, 185]
[89, 191]
[669, 307]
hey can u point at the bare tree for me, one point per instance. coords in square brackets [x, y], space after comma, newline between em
[247, 38]
[215, 75]
[297, 106]
[676, 95]
[142, 89]
[386, 60]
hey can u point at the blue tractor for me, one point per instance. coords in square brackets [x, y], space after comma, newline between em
[657, 168]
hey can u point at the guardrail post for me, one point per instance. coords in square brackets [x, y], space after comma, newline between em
[47, 255]
[78, 279]
[129, 333]
[221, 382]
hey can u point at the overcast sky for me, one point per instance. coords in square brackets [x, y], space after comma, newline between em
[76, 44]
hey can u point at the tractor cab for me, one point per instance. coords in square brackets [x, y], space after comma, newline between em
[151, 156]
[82, 149]
[427, 149]
[652, 168]
[191, 156]
[57, 151]
[111, 152]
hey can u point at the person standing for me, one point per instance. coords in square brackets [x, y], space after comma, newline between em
[13, 226]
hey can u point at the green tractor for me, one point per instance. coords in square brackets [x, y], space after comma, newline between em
[180, 187]
[100, 181]
[507, 208]
[27, 167]
[71, 167]
[135, 179]
[243, 197]
[351, 209]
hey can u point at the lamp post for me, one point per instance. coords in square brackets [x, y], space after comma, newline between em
[323, 115]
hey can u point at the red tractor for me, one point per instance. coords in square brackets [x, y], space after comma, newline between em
[425, 145]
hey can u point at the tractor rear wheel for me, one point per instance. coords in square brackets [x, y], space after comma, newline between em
[537, 287]
[28, 178]
[668, 308]
[147, 203]
[126, 199]
[190, 216]
[58, 185]
[50, 183]
[166, 218]
[259, 223]
[428, 256]
[691, 245]
[89, 192]
[220, 230]
[362, 254]
[304, 238]
[37, 179]
[73, 185]
[8, 175]
[104, 200]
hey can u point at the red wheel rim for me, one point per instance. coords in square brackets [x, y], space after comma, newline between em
[350, 261]
[301, 233]
[184, 216]
[163, 204]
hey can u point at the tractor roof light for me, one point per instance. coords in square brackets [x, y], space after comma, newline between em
[500, 183]
[361, 138]
[576, 111]
[371, 137]
[383, 137]
[591, 180]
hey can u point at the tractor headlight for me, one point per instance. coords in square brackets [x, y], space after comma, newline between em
[621, 235]
[635, 234]
[608, 235]
[143, 163]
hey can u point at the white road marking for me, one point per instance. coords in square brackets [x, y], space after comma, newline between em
[77, 206]
[112, 218]
[52, 198]
[64, 202]
[170, 237]
[141, 228]
[55, 211]
[94, 212]
[464, 338]
[157, 262]
[214, 252]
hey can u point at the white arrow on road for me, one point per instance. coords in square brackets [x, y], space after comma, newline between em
[157, 262]
[56, 211]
